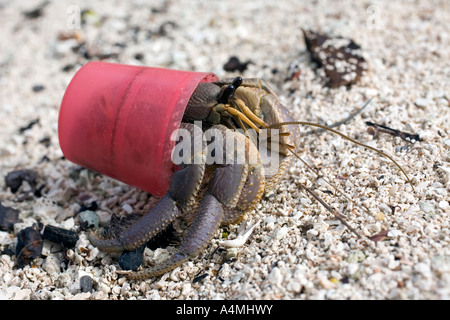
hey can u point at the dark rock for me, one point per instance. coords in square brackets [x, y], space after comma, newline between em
[36, 12]
[68, 67]
[61, 236]
[14, 179]
[29, 246]
[46, 141]
[200, 278]
[8, 217]
[38, 88]
[235, 65]
[131, 260]
[86, 284]
[139, 56]
[30, 125]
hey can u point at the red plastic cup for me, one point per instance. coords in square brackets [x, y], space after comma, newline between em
[117, 120]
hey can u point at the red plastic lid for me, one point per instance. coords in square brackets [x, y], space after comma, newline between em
[117, 120]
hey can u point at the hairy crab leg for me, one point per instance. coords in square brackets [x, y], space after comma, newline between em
[226, 198]
[145, 228]
[183, 189]
[199, 234]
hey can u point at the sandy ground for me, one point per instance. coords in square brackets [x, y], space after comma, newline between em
[299, 250]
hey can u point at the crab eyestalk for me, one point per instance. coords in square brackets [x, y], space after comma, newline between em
[228, 93]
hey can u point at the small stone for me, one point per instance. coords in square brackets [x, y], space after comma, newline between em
[327, 284]
[426, 206]
[89, 219]
[422, 102]
[356, 256]
[423, 269]
[394, 233]
[441, 264]
[447, 142]
[29, 246]
[14, 179]
[384, 208]
[380, 216]
[23, 294]
[231, 253]
[8, 217]
[62, 236]
[443, 205]
[131, 260]
[280, 233]
[127, 208]
[38, 88]
[234, 64]
[86, 284]
[275, 277]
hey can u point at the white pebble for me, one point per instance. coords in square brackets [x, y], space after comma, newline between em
[352, 268]
[393, 190]
[447, 142]
[280, 233]
[275, 277]
[426, 206]
[384, 208]
[423, 269]
[393, 233]
[441, 264]
[422, 102]
[127, 208]
[5, 238]
[23, 294]
[443, 205]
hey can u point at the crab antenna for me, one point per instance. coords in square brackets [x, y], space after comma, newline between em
[276, 125]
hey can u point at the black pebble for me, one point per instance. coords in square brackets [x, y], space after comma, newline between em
[29, 246]
[131, 260]
[14, 179]
[8, 217]
[86, 284]
[92, 206]
[61, 236]
[200, 278]
[38, 88]
[139, 56]
[235, 65]
[30, 125]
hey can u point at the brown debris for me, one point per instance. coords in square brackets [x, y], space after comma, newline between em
[379, 236]
[340, 58]
[29, 246]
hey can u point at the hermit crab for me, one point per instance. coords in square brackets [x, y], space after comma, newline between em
[252, 139]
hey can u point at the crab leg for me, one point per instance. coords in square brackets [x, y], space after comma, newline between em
[147, 227]
[183, 189]
[226, 199]
[197, 237]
